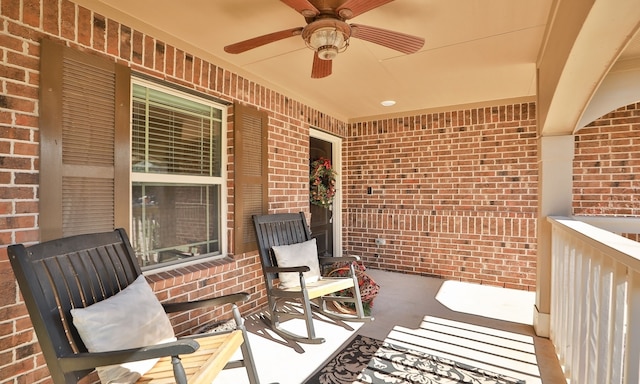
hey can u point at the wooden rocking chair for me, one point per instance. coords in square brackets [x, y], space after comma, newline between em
[98, 272]
[289, 255]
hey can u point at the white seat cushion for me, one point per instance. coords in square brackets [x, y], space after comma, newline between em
[324, 286]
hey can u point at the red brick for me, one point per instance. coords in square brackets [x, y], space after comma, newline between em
[113, 38]
[13, 73]
[31, 149]
[27, 235]
[25, 32]
[6, 357]
[197, 71]
[125, 42]
[68, 20]
[26, 120]
[50, 16]
[99, 32]
[10, 9]
[179, 63]
[17, 368]
[169, 54]
[22, 90]
[31, 12]
[6, 207]
[137, 46]
[18, 104]
[14, 222]
[149, 51]
[84, 21]
[26, 207]
[26, 178]
[188, 68]
[10, 42]
[159, 59]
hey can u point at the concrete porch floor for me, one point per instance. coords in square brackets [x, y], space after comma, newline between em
[485, 326]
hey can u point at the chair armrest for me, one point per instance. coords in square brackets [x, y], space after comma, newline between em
[337, 259]
[303, 268]
[214, 301]
[89, 360]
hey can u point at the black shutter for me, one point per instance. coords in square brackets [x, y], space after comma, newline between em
[84, 143]
[251, 173]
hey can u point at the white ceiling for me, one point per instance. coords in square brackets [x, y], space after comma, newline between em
[475, 51]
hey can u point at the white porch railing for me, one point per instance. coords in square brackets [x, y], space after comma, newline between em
[595, 303]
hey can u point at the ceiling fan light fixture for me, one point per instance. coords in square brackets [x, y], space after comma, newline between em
[328, 42]
[327, 37]
[327, 52]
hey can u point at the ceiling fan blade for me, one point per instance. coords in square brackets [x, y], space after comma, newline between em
[358, 7]
[390, 39]
[303, 7]
[321, 68]
[259, 41]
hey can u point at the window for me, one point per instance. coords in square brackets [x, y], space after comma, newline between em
[177, 164]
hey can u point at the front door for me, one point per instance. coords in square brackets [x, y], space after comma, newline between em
[321, 217]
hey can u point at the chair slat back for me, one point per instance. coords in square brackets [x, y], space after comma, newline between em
[278, 229]
[72, 272]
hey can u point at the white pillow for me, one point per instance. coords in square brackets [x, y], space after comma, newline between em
[297, 255]
[132, 318]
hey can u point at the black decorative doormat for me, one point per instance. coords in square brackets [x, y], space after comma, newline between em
[366, 360]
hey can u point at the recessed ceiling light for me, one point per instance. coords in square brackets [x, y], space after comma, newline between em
[388, 103]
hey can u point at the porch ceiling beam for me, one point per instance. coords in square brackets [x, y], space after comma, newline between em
[582, 43]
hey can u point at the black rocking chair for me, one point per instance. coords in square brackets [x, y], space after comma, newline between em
[59, 276]
[277, 230]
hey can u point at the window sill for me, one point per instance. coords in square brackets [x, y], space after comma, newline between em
[174, 281]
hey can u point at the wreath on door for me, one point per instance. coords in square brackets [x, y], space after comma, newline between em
[322, 183]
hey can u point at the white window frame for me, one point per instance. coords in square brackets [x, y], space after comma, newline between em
[187, 179]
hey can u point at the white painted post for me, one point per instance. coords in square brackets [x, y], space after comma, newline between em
[632, 358]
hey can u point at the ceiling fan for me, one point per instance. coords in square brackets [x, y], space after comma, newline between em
[327, 32]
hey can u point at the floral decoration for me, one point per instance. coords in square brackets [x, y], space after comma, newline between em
[322, 183]
[368, 287]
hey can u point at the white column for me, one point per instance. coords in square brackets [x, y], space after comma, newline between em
[555, 182]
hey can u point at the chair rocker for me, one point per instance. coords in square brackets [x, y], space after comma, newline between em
[274, 233]
[61, 278]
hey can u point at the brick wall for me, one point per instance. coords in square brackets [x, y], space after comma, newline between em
[607, 165]
[606, 176]
[454, 194]
[23, 23]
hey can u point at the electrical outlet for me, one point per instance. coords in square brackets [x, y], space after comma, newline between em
[380, 241]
